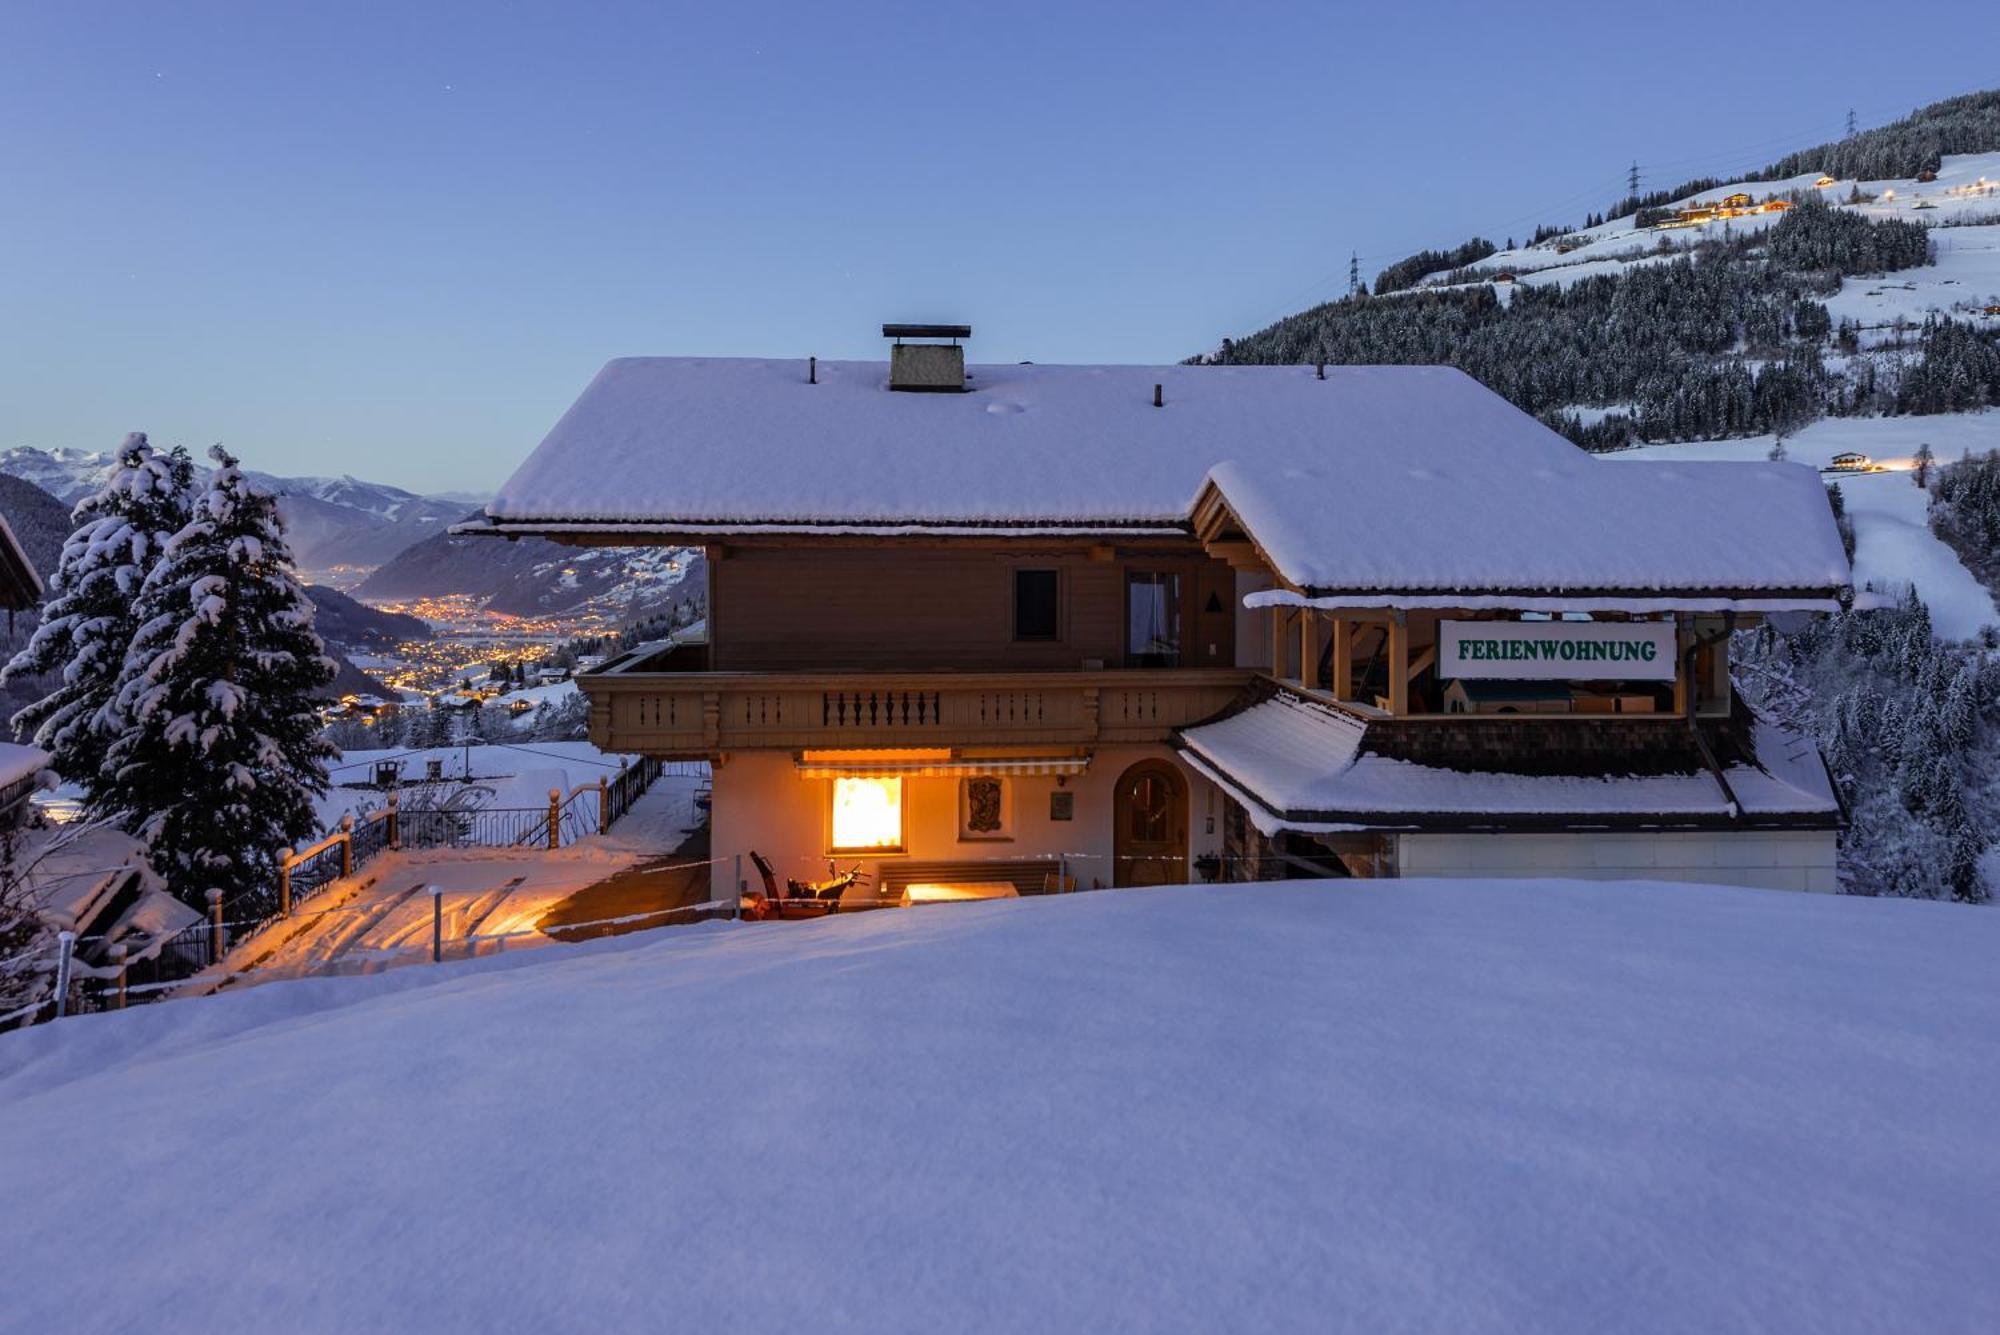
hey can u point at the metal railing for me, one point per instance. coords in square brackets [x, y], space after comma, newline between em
[305, 874]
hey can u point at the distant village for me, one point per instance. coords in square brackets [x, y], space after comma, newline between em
[1740, 204]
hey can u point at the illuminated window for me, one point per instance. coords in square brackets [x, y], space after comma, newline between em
[867, 815]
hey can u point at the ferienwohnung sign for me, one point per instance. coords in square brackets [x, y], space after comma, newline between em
[1556, 650]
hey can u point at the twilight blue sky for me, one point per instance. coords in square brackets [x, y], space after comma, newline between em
[396, 239]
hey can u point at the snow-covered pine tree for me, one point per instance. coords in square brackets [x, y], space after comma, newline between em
[88, 620]
[221, 756]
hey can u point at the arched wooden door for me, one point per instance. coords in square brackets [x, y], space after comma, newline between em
[1149, 836]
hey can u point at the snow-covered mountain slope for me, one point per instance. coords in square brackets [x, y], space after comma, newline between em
[535, 577]
[331, 521]
[1962, 207]
[1894, 546]
[1376, 1106]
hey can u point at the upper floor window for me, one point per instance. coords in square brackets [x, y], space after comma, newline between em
[1152, 619]
[1035, 605]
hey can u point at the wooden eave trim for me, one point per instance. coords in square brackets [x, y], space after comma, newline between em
[1318, 593]
[1213, 516]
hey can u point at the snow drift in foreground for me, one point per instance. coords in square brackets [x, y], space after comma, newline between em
[1420, 1106]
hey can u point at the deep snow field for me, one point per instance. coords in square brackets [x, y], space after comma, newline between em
[1388, 1106]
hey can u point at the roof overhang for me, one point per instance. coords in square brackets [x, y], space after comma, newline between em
[696, 532]
[938, 762]
[1633, 601]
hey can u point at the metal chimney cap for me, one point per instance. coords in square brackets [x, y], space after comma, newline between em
[926, 331]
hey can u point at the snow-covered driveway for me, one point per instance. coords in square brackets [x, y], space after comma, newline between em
[492, 899]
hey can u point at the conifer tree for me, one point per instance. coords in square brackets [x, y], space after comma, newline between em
[221, 756]
[88, 620]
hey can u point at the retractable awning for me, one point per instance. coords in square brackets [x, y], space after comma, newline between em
[932, 764]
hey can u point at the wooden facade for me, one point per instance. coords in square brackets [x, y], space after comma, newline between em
[795, 608]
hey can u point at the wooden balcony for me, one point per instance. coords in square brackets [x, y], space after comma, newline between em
[692, 714]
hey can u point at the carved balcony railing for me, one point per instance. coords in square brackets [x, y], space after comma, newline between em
[705, 713]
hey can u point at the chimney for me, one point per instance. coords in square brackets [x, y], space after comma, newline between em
[927, 368]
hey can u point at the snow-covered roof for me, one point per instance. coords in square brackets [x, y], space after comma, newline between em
[1303, 766]
[1514, 519]
[19, 763]
[1404, 478]
[706, 441]
[71, 874]
[20, 584]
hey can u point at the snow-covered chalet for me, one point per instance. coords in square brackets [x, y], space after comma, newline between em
[1028, 627]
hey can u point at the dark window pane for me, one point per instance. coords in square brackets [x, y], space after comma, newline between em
[1034, 604]
[1153, 620]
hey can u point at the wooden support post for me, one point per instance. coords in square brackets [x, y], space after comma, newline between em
[395, 822]
[284, 883]
[215, 945]
[65, 950]
[118, 959]
[1277, 641]
[1399, 662]
[1683, 696]
[1309, 649]
[437, 924]
[347, 844]
[1343, 658]
[555, 818]
[603, 804]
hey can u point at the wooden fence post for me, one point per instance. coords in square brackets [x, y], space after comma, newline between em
[555, 818]
[118, 958]
[65, 948]
[347, 844]
[395, 822]
[214, 925]
[437, 924]
[603, 804]
[284, 883]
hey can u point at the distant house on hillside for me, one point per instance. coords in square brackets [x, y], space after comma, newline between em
[1823, 183]
[1739, 200]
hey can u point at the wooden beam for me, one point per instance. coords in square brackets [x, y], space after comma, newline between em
[1309, 649]
[1683, 698]
[1422, 661]
[1343, 658]
[1399, 664]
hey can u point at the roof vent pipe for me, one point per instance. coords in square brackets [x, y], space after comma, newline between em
[1158, 400]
